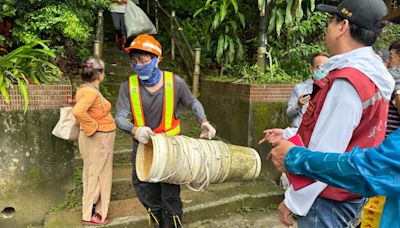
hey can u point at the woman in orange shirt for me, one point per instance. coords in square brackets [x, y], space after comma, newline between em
[96, 143]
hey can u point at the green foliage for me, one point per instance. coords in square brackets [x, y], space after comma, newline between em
[2, 39]
[183, 8]
[224, 26]
[53, 22]
[7, 9]
[252, 74]
[26, 64]
[301, 40]
[284, 13]
[389, 34]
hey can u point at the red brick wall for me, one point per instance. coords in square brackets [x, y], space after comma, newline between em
[40, 97]
[270, 93]
[253, 93]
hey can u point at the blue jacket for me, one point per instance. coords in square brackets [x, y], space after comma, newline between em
[370, 172]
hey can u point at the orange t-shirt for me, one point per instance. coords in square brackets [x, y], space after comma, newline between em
[93, 111]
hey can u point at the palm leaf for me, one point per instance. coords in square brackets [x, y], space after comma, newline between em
[24, 92]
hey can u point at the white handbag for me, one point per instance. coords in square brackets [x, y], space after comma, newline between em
[67, 127]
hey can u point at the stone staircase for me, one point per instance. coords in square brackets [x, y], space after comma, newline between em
[126, 210]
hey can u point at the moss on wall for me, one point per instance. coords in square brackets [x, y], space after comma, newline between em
[241, 122]
[36, 168]
[265, 116]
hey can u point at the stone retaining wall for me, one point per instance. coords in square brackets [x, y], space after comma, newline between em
[36, 168]
[241, 112]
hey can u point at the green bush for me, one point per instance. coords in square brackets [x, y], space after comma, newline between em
[58, 21]
[25, 65]
[51, 22]
[389, 34]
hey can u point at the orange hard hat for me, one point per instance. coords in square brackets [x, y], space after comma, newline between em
[146, 43]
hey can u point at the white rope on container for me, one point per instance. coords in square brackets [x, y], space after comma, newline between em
[195, 163]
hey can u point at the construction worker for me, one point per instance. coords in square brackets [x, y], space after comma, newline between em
[153, 98]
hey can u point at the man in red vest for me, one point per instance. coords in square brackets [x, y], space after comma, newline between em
[153, 98]
[348, 108]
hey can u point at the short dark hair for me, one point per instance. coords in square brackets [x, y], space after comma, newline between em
[362, 35]
[137, 53]
[312, 58]
[396, 46]
[92, 68]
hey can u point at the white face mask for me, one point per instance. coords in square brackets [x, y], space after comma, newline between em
[319, 74]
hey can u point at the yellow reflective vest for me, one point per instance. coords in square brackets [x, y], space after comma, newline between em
[169, 124]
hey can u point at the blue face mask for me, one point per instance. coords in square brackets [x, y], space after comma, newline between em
[149, 74]
[319, 74]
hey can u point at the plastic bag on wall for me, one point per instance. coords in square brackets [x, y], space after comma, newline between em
[136, 21]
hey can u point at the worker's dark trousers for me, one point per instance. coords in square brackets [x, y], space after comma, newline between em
[157, 196]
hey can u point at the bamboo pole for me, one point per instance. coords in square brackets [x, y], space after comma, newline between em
[173, 14]
[156, 15]
[96, 48]
[196, 72]
[101, 38]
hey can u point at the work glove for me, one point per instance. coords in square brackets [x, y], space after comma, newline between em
[142, 134]
[207, 131]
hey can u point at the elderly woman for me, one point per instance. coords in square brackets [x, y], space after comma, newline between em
[96, 143]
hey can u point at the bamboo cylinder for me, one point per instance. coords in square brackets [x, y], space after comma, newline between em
[195, 162]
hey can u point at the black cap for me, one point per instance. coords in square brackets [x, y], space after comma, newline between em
[365, 13]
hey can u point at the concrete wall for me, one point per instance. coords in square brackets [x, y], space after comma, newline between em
[36, 168]
[241, 113]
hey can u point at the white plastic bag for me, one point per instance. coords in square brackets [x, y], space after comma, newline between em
[67, 127]
[136, 21]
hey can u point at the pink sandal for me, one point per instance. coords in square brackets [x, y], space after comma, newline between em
[96, 220]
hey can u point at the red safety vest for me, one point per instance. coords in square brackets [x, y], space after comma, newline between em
[369, 133]
[169, 124]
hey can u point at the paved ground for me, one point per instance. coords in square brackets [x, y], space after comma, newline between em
[253, 219]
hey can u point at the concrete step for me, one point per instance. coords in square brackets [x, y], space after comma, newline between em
[218, 200]
[121, 184]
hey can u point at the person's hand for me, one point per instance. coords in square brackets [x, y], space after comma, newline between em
[303, 99]
[142, 134]
[278, 154]
[207, 130]
[284, 214]
[272, 136]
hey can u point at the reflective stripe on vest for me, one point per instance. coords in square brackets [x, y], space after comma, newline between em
[169, 124]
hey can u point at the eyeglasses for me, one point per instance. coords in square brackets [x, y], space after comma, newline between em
[140, 59]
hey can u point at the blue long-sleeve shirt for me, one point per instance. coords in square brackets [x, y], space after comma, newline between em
[370, 172]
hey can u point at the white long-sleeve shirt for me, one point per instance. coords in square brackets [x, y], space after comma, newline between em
[340, 115]
[342, 105]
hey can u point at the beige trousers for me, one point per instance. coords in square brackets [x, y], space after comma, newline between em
[97, 154]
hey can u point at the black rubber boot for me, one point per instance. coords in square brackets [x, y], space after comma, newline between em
[155, 217]
[171, 220]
